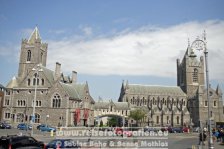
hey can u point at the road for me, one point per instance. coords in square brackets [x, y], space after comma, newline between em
[172, 141]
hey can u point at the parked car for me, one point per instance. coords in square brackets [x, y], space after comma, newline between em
[4, 125]
[24, 126]
[47, 128]
[13, 142]
[186, 129]
[175, 129]
[62, 143]
[41, 125]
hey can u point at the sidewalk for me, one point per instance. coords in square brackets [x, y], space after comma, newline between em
[217, 145]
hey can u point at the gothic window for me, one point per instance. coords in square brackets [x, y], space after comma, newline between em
[215, 104]
[37, 118]
[111, 108]
[28, 55]
[7, 115]
[206, 103]
[157, 119]
[178, 120]
[41, 57]
[37, 81]
[195, 75]
[56, 101]
[28, 82]
[34, 81]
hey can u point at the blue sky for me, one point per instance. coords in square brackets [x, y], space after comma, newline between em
[110, 41]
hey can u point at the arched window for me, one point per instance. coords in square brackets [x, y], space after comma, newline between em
[41, 57]
[195, 75]
[42, 82]
[56, 101]
[37, 81]
[157, 119]
[28, 56]
[37, 118]
[167, 120]
[28, 82]
[178, 120]
[24, 102]
[34, 81]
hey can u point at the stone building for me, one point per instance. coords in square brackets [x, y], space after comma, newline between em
[58, 99]
[191, 79]
[103, 109]
[165, 105]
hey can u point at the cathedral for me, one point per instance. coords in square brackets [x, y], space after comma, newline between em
[183, 105]
[54, 98]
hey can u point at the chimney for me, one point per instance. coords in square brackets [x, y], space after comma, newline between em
[74, 76]
[57, 71]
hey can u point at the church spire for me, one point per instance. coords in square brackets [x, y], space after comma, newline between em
[34, 36]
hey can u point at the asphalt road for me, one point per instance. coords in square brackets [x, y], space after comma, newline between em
[172, 141]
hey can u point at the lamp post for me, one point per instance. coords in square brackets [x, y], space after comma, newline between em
[36, 73]
[200, 44]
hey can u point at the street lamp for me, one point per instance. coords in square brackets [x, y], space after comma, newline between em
[200, 44]
[36, 70]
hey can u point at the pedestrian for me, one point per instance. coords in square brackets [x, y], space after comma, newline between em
[202, 138]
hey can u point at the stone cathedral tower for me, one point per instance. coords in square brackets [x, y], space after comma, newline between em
[33, 52]
[191, 79]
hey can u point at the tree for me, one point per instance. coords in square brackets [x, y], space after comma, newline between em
[137, 115]
[112, 121]
[101, 123]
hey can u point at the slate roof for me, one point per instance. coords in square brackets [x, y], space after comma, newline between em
[12, 83]
[155, 90]
[107, 104]
[75, 91]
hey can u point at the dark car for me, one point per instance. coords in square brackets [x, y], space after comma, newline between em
[47, 128]
[62, 143]
[175, 130]
[13, 142]
[23, 126]
[4, 125]
[41, 125]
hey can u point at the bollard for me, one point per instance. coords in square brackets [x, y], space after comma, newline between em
[52, 133]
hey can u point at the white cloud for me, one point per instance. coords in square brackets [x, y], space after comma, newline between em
[86, 30]
[145, 51]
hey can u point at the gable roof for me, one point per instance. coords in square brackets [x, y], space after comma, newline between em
[12, 83]
[105, 105]
[75, 91]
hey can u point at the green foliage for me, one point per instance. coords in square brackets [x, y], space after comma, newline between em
[101, 123]
[137, 114]
[112, 121]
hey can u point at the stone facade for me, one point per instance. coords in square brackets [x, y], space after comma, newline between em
[165, 105]
[104, 109]
[59, 100]
[191, 79]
